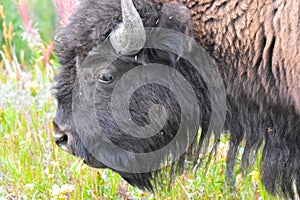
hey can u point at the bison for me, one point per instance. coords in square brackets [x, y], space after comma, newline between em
[244, 78]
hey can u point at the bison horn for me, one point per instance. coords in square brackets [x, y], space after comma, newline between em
[130, 36]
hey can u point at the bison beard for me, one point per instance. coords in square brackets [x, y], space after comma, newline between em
[262, 104]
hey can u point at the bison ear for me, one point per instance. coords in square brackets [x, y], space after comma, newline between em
[175, 20]
[177, 17]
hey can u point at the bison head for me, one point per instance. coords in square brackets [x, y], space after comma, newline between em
[119, 106]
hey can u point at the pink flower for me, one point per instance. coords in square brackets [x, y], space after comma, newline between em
[65, 9]
[47, 52]
[30, 34]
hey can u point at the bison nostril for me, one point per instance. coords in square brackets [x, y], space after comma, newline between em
[60, 135]
[62, 140]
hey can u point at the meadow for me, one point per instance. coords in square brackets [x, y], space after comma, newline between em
[31, 165]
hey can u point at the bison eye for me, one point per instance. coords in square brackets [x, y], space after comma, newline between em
[105, 78]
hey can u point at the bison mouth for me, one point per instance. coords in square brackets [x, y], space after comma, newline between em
[94, 163]
[141, 180]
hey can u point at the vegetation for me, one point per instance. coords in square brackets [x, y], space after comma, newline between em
[31, 165]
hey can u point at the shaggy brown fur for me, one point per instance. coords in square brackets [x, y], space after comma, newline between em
[259, 40]
[257, 47]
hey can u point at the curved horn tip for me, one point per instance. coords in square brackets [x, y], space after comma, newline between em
[130, 36]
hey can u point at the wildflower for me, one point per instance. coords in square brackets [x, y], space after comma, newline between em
[29, 186]
[67, 189]
[223, 150]
[47, 52]
[30, 34]
[2, 15]
[33, 86]
[62, 192]
[239, 178]
[55, 164]
[255, 176]
[65, 9]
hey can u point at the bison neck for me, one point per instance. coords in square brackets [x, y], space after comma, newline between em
[255, 43]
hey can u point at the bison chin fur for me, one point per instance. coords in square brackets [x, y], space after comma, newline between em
[252, 126]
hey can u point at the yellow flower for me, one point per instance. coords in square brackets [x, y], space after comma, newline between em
[239, 178]
[255, 176]
[223, 150]
[2, 15]
[33, 87]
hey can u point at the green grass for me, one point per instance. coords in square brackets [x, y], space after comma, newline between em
[33, 167]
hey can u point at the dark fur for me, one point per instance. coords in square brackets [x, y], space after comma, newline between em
[263, 104]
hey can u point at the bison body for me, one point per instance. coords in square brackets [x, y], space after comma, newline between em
[256, 46]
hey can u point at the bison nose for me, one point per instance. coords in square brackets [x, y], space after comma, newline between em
[61, 135]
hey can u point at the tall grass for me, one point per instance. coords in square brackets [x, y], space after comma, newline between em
[32, 166]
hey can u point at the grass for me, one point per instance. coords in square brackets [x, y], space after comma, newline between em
[33, 167]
